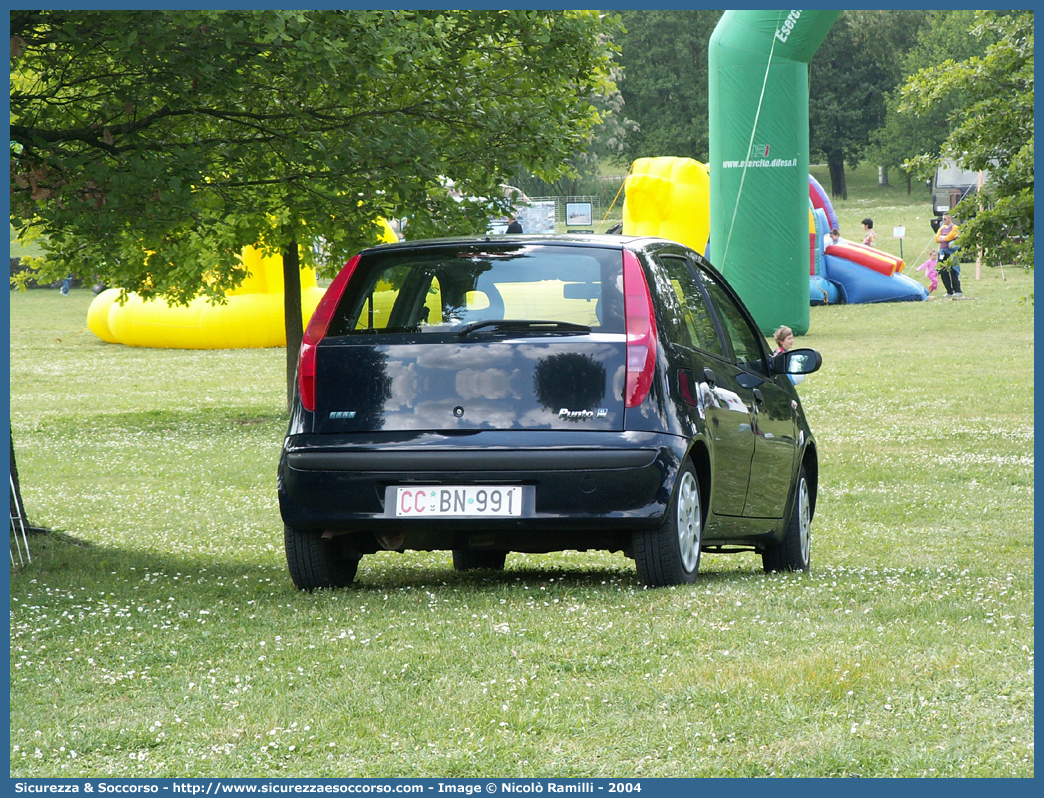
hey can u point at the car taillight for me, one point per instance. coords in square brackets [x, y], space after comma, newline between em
[641, 331]
[314, 332]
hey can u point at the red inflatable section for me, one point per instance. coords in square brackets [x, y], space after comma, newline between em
[867, 256]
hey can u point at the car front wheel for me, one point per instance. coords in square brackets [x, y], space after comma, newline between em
[315, 562]
[794, 552]
[670, 555]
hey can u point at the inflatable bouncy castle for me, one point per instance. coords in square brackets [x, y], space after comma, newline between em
[669, 198]
[847, 271]
[820, 290]
[251, 316]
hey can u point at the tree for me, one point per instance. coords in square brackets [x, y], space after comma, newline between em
[854, 69]
[664, 85]
[604, 145]
[151, 147]
[946, 35]
[991, 130]
[659, 108]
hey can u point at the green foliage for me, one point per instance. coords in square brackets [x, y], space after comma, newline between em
[947, 35]
[991, 129]
[849, 78]
[603, 146]
[664, 84]
[150, 147]
[660, 107]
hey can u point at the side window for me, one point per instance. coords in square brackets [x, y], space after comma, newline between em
[745, 341]
[697, 317]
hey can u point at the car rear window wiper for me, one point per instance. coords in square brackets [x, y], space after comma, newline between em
[522, 325]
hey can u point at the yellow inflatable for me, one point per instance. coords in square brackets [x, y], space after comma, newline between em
[668, 197]
[252, 316]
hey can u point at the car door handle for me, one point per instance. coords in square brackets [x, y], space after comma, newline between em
[710, 377]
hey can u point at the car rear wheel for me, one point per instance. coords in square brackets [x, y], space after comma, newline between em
[317, 563]
[670, 555]
[470, 560]
[794, 552]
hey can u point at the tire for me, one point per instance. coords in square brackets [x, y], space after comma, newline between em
[317, 563]
[471, 560]
[670, 555]
[794, 552]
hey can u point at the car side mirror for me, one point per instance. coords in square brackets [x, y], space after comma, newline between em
[801, 361]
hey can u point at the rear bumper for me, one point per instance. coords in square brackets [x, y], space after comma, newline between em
[589, 490]
[466, 461]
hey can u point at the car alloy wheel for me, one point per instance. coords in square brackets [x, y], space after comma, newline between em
[804, 521]
[689, 522]
[794, 551]
[670, 555]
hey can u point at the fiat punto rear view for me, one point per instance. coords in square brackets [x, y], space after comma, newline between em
[538, 394]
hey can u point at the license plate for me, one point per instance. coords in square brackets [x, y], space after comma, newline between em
[461, 501]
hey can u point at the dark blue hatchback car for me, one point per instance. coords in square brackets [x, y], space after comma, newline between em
[537, 394]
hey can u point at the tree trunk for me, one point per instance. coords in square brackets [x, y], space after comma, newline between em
[292, 314]
[838, 187]
[909, 185]
[882, 176]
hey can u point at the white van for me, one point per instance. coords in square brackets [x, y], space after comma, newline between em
[950, 185]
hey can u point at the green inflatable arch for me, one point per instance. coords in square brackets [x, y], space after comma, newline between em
[759, 158]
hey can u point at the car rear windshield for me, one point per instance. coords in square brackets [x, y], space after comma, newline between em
[441, 290]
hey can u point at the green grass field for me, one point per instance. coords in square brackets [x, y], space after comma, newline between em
[159, 633]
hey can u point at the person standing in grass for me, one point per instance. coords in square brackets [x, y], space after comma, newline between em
[948, 264]
[928, 267]
[869, 236]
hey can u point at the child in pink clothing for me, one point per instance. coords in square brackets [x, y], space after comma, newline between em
[928, 267]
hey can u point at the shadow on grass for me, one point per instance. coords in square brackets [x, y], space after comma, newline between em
[409, 575]
[53, 551]
[82, 563]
